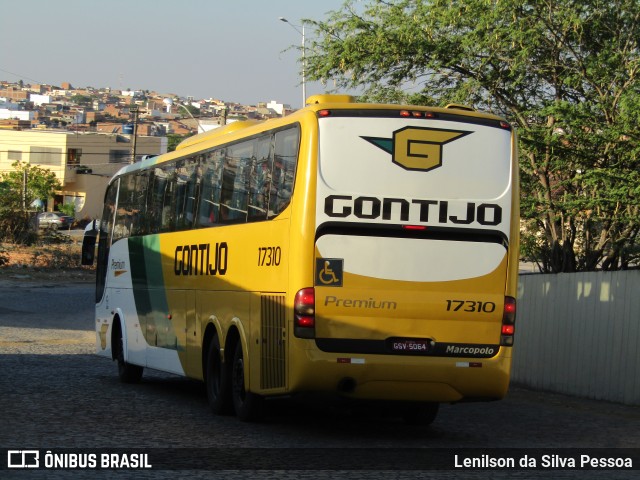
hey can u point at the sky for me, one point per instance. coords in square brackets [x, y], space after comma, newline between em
[232, 50]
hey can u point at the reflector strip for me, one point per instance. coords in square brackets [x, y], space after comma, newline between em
[356, 361]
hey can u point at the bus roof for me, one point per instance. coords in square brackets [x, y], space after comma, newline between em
[314, 104]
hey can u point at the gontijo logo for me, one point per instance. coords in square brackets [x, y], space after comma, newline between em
[417, 148]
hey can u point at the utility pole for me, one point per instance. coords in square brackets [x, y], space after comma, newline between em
[24, 189]
[304, 61]
[134, 109]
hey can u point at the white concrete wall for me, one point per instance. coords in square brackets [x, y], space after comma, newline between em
[579, 334]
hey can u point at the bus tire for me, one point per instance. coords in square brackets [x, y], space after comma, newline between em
[249, 407]
[217, 380]
[127, 372]
[420, 414]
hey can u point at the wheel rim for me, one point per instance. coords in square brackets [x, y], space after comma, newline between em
[238, 380]
[120, 356]
[215, 382]
[120, 350]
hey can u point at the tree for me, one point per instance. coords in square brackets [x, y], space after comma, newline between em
[19, 191]
[81, 99]
[565, 73]
[68, 209]
[24, 185]
[173, 140]
[192, 110]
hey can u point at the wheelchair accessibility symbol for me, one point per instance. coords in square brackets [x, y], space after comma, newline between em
[329, 272]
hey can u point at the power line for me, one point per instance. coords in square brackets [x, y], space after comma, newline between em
[21, 76]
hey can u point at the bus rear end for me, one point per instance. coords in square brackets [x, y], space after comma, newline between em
[416, 253]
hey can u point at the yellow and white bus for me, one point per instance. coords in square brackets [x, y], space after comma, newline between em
[366, 250]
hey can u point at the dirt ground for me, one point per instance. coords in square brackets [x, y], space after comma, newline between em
[49, 263]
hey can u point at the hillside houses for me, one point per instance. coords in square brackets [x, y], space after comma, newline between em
[84, 135]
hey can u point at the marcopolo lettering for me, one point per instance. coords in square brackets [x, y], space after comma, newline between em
[417, 210]
[471, 351]
[201, 259]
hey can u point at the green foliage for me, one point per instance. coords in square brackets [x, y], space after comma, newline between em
[15, 228]
[565, 73]
[192, 110]
[79, 99]
[68, 209]
[173, 140]
[27, 183]
[18, 191]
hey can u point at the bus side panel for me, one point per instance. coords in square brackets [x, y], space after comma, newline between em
[119, 302]
[161, 312]
[230, 310]
[222, 273]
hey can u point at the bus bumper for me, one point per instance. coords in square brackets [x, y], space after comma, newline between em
[404, 378]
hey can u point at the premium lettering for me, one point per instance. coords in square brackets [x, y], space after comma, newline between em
[359, 303]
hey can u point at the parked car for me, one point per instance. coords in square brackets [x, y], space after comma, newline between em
[54, 220]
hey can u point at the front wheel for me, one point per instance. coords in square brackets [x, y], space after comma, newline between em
[249, 406]
[127, 372]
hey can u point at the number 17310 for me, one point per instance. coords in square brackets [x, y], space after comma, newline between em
[470, 306]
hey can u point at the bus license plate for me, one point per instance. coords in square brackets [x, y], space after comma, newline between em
[410, 345]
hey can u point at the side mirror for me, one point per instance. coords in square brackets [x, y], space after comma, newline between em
[89, 247]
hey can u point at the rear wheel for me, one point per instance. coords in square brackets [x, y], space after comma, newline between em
[249, 406]
[419, 413]
[128, 373]
[217, 380]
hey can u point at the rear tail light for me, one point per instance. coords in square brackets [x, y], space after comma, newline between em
[304, 308]
[508, 322]
[414, 227]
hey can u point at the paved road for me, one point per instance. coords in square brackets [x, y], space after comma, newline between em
[55, 394]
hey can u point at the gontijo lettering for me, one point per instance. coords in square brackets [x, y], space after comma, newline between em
[201, 259]
[416, 210]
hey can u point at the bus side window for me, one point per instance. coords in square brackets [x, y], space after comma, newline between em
[284, 169]
[124, 212]
[104, 240]
[139, 205]
[194, 173]
[228, 179]
[179, 199]
[209, 204]
[154, 210]
[260, 179]
[235, 183]
[167, 223]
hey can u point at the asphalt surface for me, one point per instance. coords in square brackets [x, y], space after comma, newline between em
[56, 395]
